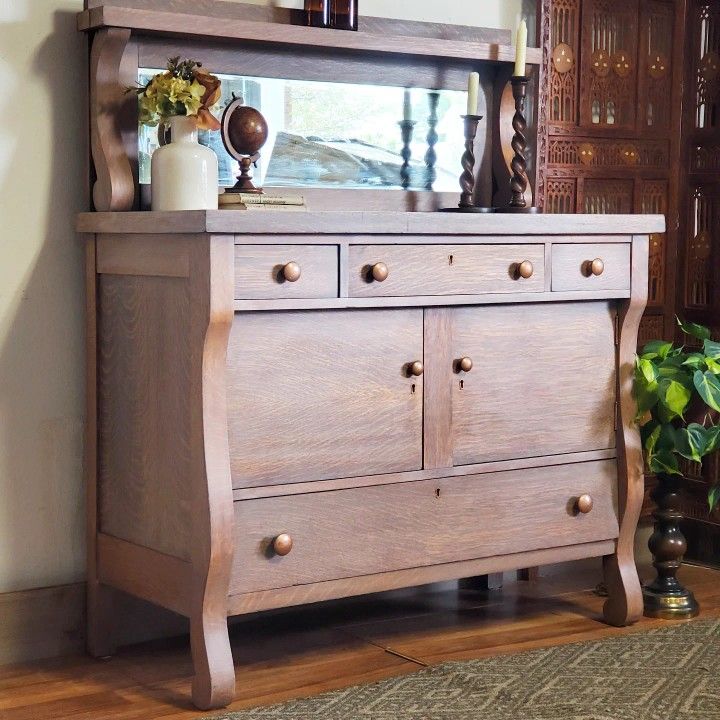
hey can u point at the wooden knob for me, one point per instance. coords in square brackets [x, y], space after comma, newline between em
[292, 271]
[417, 368]
[525, 269]
[585, 504]
[596, 267]
[380, 272]
[282, 544]
[466, 364]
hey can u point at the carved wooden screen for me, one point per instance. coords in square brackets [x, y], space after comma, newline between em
[699, 284]
[611, 76]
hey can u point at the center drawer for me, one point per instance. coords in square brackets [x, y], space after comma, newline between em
[405, 270]
[362, 531]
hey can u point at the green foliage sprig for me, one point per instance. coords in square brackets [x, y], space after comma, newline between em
[678, 396]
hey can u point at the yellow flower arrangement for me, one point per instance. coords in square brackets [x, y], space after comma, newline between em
[185, 88]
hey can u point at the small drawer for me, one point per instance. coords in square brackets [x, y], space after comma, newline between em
[363, 531]
[272, 272]
[415, 270]
[591, 267]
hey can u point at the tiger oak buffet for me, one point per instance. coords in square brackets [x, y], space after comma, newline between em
[285, 408]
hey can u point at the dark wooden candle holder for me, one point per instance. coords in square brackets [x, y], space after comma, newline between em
[518, 181]
[407, 128]
[467, 179]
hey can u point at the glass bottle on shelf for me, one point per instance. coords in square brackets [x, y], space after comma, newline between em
[344, 14]
[318, 13]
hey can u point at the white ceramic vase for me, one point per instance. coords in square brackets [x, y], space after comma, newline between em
[184, 173]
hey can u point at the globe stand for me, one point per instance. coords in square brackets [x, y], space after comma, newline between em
[244, 131]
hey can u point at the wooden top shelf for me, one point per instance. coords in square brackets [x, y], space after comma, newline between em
[251, 222]
[153, 21]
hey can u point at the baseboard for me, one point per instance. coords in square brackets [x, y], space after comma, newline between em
[50, 622]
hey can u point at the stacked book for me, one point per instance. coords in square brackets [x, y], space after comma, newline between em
[253, 201]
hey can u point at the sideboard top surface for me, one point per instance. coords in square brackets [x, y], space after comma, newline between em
[279, 222]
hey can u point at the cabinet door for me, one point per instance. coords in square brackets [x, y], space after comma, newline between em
[319, 395]
[542, 380]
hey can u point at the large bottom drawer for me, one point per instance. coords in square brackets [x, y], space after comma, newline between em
[362, 531]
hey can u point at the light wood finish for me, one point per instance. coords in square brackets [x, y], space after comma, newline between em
[394, 580]
[392, 527]
[590, 267]
[443, 269]
[262, 272]
[149, 21]
[553, 381]
[162, 579]
[309, 379]
[220, 432]
[110, 75]
[374, 223]
[144, 255]
[625, 603]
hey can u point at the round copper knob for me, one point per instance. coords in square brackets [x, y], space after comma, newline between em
[466, 364]
[292, 271]
[525, 269]
[417, 368]
[282, 544]
[585, 504]
[595, 267]
[380, 272]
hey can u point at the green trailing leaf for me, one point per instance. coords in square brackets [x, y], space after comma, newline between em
[696, 361]
[713, 365]
[712, 349]
[708, 385]
[664, 462]
[648, 370]
[712, 440]
[651, 438]
[714, 497]
[674, 396]
[692, 442]
[694, 330]
[656, 348]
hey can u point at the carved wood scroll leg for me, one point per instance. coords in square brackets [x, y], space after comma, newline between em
[214, 683]
[114, 188]
[624, 605]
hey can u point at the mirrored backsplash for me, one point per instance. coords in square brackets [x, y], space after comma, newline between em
[334, 135]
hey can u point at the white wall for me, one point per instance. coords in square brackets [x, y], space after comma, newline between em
[42, 185]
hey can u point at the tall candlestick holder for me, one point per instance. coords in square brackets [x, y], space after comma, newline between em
[407, 128]
[432, 139]
[467, 179]
[518, 180]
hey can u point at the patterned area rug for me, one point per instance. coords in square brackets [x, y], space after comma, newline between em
[666, 674]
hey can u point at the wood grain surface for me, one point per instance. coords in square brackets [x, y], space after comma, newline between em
[569, 267]
[144, 435]
[363, 531]
[314, 396]
[258, 271]
[543, 380]
[445, 269]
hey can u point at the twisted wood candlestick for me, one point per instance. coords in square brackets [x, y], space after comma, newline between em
[432, 139]
[518, 181]
[467, 179]
[406, 128]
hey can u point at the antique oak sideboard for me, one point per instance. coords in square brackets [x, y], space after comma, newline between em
[286, 408]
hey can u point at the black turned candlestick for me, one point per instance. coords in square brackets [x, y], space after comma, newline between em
[518, 181]
[666, 597]
[406, 127]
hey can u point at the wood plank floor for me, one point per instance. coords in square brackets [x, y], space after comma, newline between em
[305, 651]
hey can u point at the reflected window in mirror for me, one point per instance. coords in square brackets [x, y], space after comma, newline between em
[334, 135]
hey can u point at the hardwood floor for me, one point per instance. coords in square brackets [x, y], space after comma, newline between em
[301, 652]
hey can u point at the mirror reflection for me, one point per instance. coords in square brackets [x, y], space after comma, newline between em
[335, 135]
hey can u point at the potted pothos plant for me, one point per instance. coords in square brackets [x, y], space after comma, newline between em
[677, 388]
